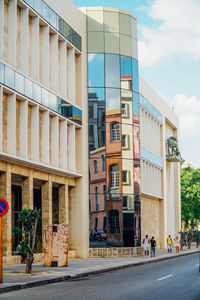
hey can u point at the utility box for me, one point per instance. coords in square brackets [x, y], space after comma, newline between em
[56, 245]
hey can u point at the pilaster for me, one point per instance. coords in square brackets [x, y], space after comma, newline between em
[71, 75]
[24, 129]
[24, 40]
[1, 27]
[12, 31]
[11, 124]
[35, 133]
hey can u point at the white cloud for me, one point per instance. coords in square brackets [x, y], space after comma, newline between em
[188, 110]
[178, 32]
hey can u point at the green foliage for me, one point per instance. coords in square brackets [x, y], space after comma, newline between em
[190, 196]
[17, 231]
[28, 216]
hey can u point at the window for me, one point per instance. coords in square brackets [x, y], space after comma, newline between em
[115, 132]
[125, 201]
[103, 163]
[114, 181]
[95, 166]
[105, 196]
[97, 198]
[105, 224]
[125, 140]
[114, 221]
[96, 224]
[91, 111]
[125, 177]
[124, 109]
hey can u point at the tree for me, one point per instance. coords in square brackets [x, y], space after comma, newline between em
[190, 196]
[29, 219]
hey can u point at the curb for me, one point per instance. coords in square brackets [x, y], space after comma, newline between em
[86, 274]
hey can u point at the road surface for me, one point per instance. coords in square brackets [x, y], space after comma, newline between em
[177, 278]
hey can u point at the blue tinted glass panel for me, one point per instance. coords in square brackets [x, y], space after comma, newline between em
[135, 75]
[19, 83]
[45, 97]
[28, 88]
[96, 70]
[53, 102]
[136, 105]
[9, 77]
[150, 108]
[126, 66]
[2, 72]
[77, 115]
[148, 155]
[112, 70]
[96, 94]
[29, 2]
[37, 92]
[45, 11]
[113, 100]
[53, 19]
[38, 6]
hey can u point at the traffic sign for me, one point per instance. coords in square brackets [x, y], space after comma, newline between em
[3, 207]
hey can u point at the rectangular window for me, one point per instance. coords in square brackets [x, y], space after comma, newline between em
[105, 224]
[9, 77]
[96, 224]
[97, 198]
[19, 83]
[105, 196]
[125, 202]
[91, 111]
[124, 109]
[103, 163]
[95, 166]
[125, 177]
[115, 132]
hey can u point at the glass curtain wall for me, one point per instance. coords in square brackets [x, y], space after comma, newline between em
[114, 133]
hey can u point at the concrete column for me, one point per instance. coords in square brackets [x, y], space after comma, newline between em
[63, 69]
[1, 27]
[5, 193]
[12, 31]
[27, 193]
[24, 40]
[35, 133]
[35, 48]
[71, 148]
[1, 118]
[11, 124]
[24, 129]
[63, 144]
[78, 88]
[54, 62]
[55, 141]
[45, 56]
[47, 203]
[45, 137]
[71, 75]
[63, 204]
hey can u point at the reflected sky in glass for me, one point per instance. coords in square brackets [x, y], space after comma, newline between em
[126, 69]
[112, 70]
[96, 70]
[97, 94]
[112, 99]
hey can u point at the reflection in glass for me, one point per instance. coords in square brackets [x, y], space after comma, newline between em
[54, 19]
[9, 77]
[53, 102]
[96, 94]
[112, 101]
[1, 72]
[125, 24]
[135, 75]
[136, 105]
[45, 11]
[19, 83]
[28, 88]
[38, 6]
[37, 92]
[112, 70]
[126, 66]
[96, 70]
[45, 97]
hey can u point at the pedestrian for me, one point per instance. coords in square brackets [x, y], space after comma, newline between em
[169, 244]
[146, 243]
[176, 244]
[153, 247]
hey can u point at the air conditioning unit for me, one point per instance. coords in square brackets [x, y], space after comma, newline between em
[124, 110]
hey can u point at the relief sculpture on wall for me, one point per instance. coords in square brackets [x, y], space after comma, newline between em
[172, 150]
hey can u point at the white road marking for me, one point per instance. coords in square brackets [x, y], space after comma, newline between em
[196, 265]
[165, 277]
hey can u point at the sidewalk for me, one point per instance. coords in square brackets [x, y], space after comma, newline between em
[77, 268]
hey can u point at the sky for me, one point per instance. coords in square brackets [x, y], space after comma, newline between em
[169, 59]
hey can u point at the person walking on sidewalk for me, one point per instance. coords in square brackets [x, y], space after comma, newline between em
[153, 247]
[146, 243]
[169, 244]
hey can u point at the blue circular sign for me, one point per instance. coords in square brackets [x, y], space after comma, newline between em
[3, 207]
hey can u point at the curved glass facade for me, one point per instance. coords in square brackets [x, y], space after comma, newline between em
[114, 133]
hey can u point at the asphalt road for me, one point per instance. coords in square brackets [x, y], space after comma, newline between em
[177, 278]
